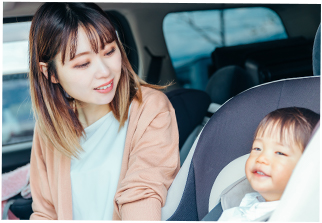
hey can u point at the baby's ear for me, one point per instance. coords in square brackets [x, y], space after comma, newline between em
[44, 70]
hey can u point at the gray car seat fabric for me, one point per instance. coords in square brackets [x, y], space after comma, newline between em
[229, 134]
[178, 185]
[230, 197]
[233, 195]
[317, 53]
[228, 82]
[191, 107]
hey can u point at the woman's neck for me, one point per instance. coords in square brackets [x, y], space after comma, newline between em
[90, 113]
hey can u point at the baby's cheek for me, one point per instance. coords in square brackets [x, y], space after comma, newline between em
[284, 173]
[248, 167]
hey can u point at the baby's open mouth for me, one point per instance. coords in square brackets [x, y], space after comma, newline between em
[260, 173]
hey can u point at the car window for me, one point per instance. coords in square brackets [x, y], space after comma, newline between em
[192, 36]
[17, 118]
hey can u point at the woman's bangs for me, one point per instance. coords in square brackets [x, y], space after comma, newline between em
[98, 29]
[69, 40]
[97, 35]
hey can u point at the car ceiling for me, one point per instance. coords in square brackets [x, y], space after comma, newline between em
[298, 19]
[297, 14]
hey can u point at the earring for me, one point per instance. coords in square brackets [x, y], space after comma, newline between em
[74, 106]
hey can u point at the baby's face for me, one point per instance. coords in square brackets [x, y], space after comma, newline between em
[270, 165]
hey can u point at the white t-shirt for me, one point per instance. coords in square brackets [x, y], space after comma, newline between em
[251, 207]
[95, 175]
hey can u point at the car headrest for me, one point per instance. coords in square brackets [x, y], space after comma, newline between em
[191, 107]
[228, 82]
[317, 53]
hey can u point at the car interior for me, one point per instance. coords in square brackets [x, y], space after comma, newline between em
[229, 65]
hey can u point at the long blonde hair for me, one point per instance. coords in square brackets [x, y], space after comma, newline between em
[54, 28]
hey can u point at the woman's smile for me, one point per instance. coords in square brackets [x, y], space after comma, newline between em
[105, 88]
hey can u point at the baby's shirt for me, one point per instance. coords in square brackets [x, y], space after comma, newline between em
[251, 207]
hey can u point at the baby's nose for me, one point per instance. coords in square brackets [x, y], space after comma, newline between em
[263, 158]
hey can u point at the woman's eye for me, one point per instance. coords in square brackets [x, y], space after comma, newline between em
[110, 52]
[280, 153]
[82, 65]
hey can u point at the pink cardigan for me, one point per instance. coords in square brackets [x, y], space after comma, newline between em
[150, 163]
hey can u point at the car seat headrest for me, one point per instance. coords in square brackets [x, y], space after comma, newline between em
[317, 53]
[228, 82]
[227, 176]
[234, 194]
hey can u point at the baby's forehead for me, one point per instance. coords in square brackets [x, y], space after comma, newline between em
[284, 135]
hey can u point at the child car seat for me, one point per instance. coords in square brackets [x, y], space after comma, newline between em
[229, 134]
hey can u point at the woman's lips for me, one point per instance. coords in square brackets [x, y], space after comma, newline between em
[104, 85]
[105, 88]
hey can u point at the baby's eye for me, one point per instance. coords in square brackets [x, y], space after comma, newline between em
[280, 153]
[256, 149]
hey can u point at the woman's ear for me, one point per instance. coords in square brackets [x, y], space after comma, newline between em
[43, 68]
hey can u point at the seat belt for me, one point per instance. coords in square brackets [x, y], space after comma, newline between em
[154, 71]
[214, 214]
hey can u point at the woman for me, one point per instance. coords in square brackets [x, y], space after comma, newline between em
[105, 143]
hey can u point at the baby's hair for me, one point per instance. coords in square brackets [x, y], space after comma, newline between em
[295, 125]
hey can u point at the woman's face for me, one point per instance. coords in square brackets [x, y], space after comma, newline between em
[90, 78]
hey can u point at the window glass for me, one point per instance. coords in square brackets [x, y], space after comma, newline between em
[191, 37]
[17, 117]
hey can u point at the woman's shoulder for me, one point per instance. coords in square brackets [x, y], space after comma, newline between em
[155, 98]
[153, 103]
[151, 92]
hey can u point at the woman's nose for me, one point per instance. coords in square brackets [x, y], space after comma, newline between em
[102, 69]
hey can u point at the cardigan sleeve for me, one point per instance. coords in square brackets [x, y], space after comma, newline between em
[153, 162]
[42, 205]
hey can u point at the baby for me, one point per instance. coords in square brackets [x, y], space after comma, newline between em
[279, 142]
